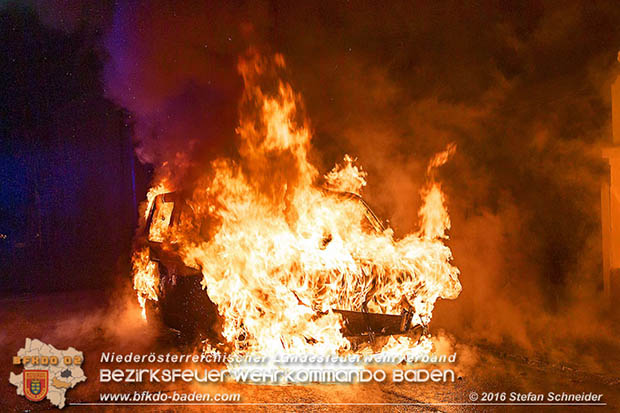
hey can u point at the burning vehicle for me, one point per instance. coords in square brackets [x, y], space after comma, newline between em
[261, 254]
[180, 295]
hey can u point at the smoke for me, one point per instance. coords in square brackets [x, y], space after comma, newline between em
[174, 68]
[529, 110]
[522, 89]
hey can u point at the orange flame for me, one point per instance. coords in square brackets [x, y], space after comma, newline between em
[145, 279]
[283, 251]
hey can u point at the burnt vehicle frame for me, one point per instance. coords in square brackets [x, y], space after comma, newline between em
[181, 295]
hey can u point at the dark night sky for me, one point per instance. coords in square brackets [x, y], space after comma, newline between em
[521, 87]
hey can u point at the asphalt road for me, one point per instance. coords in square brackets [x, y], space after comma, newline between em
[96, 322]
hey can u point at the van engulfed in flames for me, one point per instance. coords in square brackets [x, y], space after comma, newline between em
[271, 257]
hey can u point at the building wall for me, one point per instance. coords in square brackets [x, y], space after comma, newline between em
[67, 208]
[610, 204]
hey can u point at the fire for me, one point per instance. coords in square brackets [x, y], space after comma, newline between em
[284, 246]
[145, 279]
[160, 188]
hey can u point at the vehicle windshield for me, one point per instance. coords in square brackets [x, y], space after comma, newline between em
[161, 218]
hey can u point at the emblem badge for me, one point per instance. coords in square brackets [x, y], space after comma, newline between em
[36, 384]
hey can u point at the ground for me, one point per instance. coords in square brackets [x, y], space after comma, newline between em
[93, 322]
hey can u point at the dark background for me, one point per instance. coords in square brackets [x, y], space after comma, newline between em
[69, 181]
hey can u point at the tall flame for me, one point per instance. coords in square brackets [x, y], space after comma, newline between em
[283, 247]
